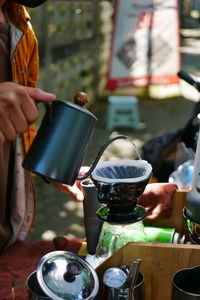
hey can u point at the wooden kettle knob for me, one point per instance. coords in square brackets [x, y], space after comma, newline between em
[81, 98]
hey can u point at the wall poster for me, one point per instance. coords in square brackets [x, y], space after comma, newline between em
[145, 46]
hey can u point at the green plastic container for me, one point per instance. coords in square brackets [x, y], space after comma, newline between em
[163, 235]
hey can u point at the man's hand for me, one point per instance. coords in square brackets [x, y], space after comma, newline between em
[18, 108]
[157, 199]
[75, 190]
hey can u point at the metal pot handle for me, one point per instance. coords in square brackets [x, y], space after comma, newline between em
[103, 148]
[16, 284]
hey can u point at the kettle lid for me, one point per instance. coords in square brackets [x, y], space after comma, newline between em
[64, 275]
[75, 107]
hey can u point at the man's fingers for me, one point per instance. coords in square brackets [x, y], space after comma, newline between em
[19, 120]
[7, 128]
[2, 138]
[18, 108]
[75, 192]
[39, 95]
[29, 110]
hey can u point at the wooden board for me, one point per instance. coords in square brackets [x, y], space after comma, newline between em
[159, 263]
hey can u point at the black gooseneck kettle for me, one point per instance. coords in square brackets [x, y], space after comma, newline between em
[61, 143]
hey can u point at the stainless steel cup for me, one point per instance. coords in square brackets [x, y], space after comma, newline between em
[186, 284]
[34, 290]
[122, 294]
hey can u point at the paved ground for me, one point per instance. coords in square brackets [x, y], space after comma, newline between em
[58, 213]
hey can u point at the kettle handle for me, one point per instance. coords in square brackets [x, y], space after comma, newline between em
[103, 148]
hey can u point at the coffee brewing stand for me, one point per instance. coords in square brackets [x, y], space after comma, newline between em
[120, 183]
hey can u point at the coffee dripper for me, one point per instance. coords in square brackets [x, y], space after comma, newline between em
[120, 183]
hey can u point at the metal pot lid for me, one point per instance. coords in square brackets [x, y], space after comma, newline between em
[64, 275]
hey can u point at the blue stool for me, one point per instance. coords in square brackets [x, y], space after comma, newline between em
[123, 112]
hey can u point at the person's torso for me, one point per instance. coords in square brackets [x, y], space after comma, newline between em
[17, 45]
[5, 149]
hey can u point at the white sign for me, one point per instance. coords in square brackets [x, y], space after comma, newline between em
[145, 45]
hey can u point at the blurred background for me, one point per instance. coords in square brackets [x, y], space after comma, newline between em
[75, 39]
